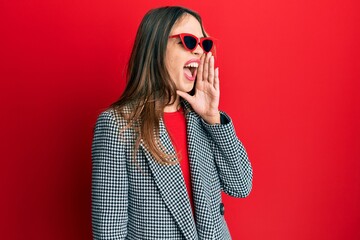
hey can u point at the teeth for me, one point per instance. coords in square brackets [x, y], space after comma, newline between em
[193, 64]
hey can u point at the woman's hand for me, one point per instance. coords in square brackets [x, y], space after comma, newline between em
[205, 101]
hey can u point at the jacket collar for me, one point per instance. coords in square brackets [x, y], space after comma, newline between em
[202, 200]
[170, 181]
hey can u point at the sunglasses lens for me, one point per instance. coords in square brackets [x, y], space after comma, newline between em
[190, 42]
[207, 45]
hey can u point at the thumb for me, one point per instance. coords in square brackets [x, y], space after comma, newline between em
[186, 96]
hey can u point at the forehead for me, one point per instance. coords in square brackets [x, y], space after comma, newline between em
[187, 24]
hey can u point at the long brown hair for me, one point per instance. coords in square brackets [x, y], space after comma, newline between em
[149, 86]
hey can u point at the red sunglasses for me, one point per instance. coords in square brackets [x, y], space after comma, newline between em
[190, 42]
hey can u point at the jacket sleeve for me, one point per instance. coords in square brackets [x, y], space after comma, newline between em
[231, 159]
[109, 180]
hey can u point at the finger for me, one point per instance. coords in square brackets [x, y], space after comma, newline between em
[186, 96]
[199, 84]
[211, 70]
[216, 79]
[199, 75]
[206, 67]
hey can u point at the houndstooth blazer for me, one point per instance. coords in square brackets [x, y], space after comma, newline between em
[143, 199]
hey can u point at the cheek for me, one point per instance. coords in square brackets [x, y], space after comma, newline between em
[172, 66]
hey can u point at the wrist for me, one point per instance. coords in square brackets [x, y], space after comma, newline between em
[213, 119]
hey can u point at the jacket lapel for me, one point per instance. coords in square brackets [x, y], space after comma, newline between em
[170, 182]
[204, 218]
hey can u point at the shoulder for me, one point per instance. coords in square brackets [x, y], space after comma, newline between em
[117, 119]
[112, 126]
[115, 116]
[109, 117]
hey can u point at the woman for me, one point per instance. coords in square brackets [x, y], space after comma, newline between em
[163, 152]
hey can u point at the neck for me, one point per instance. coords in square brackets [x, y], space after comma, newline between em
[174, 106]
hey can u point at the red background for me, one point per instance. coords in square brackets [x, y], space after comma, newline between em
[289, 74]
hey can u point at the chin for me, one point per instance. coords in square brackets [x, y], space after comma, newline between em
[187, 88]
[185, 85]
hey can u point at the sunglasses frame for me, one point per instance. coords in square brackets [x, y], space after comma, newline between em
[199, 41]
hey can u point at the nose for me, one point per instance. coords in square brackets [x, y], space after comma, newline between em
[198, 50]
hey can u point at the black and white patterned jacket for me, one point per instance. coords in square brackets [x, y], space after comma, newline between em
[146, 200]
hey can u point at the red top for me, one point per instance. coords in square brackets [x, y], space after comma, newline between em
[175, 123]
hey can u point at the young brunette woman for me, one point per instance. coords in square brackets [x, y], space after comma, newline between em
[163, 152]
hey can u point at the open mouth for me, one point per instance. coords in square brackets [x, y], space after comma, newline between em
[190, 70]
